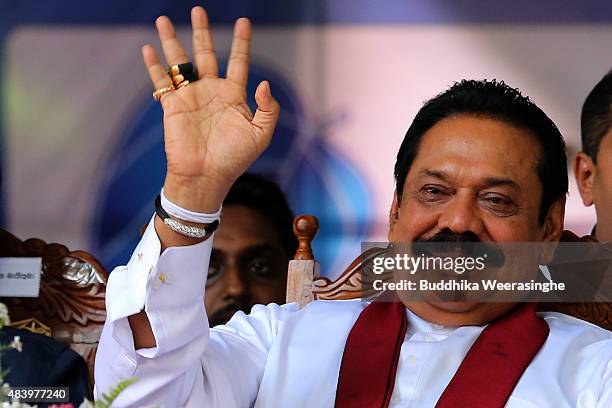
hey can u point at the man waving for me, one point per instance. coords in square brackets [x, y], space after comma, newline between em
[479, 163]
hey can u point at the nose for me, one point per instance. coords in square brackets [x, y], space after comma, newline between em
[235, 285]
[461, 214]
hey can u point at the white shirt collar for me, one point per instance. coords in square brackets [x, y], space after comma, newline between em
[417, 324]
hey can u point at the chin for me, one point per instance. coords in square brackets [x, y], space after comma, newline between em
[455, 307]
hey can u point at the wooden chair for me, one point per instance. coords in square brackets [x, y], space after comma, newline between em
[305, 285]
[70, 307]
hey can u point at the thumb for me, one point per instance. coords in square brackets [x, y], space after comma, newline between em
[267, 112]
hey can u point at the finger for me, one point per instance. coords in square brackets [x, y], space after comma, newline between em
[238, 63]
[157, 73]
[203, 48]
[266, 114]
[172, 48]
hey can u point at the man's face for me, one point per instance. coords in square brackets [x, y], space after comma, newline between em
[595, 184]
[474, 176]
[248, 265]
[602, 188]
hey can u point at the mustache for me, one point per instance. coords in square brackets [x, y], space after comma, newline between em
[446, 235]
[224, 314]
[465, 244]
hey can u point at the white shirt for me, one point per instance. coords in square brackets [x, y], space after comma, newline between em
[281, 356]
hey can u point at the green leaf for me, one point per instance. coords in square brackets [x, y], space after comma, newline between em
[107, 399]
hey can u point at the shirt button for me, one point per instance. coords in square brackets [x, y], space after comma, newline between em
[165, 278]
[412, 360]
[438, 326]
[429, 338]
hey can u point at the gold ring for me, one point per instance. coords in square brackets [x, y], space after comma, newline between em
[177, 79]
[174, 70]
[182, 84]
[158, 93]
[181, 68]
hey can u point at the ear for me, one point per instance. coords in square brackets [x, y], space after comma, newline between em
[394, 214]
[585, 169]
[553, 224]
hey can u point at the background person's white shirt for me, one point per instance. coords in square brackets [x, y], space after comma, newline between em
[280, 356]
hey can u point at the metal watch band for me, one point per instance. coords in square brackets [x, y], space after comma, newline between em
[186, 230]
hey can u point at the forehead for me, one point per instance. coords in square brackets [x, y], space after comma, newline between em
[242, 227]
[472, 148]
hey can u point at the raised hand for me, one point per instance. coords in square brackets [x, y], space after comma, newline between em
[210, 134]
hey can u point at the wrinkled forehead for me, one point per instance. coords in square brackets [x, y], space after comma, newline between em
[470, 149]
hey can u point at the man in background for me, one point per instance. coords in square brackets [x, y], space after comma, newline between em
[251, 250]
[593, 165]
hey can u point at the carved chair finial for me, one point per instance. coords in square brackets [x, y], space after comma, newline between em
[305, 227]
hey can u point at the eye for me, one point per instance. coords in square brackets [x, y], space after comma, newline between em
[499, 200]
[214, 272]
[259, 267]
[499, 203]
[432, 193]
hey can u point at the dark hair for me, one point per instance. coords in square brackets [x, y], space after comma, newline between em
[596, 116]
[265, 196]
[496, 100]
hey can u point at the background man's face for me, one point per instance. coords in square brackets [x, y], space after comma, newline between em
[602, 188]
[478, 176]
[248, 264]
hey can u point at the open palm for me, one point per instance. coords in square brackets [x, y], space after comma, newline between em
[210, 134]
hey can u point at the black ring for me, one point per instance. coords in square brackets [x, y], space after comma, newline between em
[190, 76]
[183, 69]
[186, 68]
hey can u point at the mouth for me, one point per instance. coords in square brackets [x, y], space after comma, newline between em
[223, 315]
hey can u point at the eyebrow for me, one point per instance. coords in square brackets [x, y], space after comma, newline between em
[261, 249]
[497, 182]
[435, 174]
[488, 182]
[256, 249]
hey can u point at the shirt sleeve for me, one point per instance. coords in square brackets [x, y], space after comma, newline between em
[188, 366]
